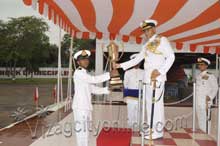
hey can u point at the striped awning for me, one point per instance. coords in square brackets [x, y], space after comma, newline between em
[191, 25]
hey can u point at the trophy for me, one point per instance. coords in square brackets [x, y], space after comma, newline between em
[112, 58]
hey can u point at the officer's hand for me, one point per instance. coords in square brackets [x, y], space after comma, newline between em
[207, 102]
[110, 89]
[208, 98]
[68, 103]
[106, 90]
[116, 65]
[155, 74]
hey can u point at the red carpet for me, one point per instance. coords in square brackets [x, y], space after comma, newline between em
[114, 137]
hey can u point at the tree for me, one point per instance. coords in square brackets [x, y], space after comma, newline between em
[53, 54]
[78, 44]
[2, 42]
[25, 43]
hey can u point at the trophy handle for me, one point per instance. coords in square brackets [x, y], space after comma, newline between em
[123, 50]
[106, 57]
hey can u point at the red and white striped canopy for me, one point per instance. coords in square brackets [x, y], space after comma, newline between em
[191, 25]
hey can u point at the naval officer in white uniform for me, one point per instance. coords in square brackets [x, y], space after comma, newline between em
[206, 90]
[159, 57]
[84, 87]
[131, 89]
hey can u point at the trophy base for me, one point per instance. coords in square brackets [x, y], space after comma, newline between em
[116, 83]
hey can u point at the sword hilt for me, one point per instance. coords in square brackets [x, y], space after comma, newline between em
[153, 82]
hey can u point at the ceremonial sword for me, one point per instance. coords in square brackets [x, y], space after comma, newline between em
[152, 112]
[208, 116]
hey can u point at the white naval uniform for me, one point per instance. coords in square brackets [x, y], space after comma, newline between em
[206, 85]
[161, 62]
[131, 81]
[82, 105]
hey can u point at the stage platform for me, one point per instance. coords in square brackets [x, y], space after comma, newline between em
[20, 134]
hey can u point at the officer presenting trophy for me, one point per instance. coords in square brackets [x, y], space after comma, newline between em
[112, 58]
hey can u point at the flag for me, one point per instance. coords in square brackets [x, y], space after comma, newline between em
[55, 93]
[36, 95]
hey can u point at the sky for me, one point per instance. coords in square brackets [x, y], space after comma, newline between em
[16, 8]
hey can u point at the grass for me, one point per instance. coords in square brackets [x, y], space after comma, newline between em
[31, 81]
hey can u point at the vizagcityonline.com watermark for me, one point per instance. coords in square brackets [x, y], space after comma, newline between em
[67, 129]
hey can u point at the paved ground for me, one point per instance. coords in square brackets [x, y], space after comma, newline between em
[13, 96]
[180, 137]
[58, 135]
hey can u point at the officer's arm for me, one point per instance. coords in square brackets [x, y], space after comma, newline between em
[213, 86]
[126, 80]
[142, 73]
[99, 90]
[85, 77]
[135, 61]
[169, 55]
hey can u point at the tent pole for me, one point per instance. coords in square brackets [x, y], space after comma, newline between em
[217, 101]
[216, 66]
[194, 106]
[59, 68]
[69, 88]
[61, 87]
[217, 76]
[218, 136]
[61, 79]
[193, 72]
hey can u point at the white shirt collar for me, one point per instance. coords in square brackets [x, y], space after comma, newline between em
[82, 68]
[152, 38]
[203, 73]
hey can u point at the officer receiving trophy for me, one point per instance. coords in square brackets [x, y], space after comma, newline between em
[85, 86]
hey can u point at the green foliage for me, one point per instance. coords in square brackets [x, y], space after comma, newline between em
[78, 44]
[24, 43]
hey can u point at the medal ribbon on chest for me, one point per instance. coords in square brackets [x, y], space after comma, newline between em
[205, 77]
[152, 46]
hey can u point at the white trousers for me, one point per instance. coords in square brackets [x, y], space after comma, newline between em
[132, 109]
[202, 118]
[158, 119]
[81, 123]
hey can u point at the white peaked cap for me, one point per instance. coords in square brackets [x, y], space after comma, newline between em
[83, 53]
[133, 56]
[201, 59]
